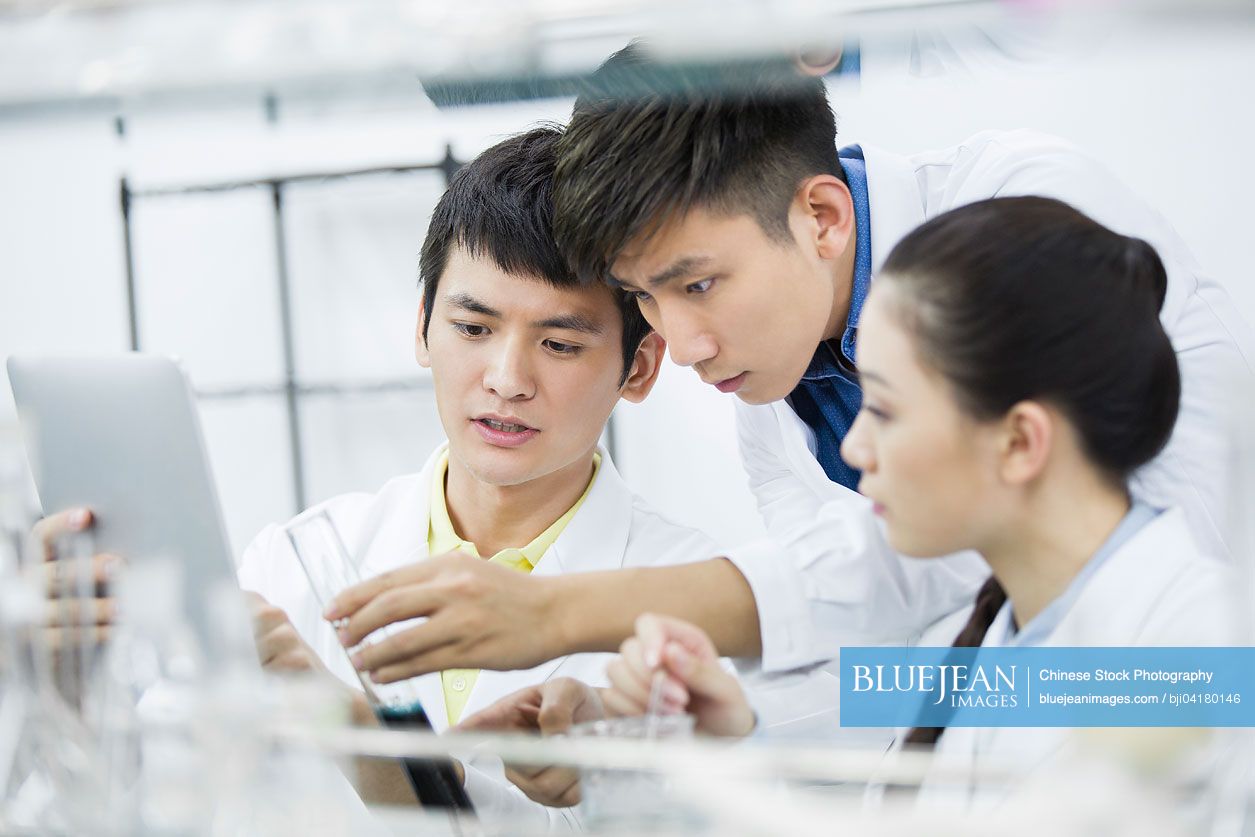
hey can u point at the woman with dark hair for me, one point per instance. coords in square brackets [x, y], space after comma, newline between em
[1015, 373]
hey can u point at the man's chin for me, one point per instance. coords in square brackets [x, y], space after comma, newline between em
[756, 397]
[490, 465]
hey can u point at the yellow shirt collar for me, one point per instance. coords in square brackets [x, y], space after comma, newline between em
[443, 538]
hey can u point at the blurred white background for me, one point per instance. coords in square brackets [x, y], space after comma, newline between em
[1168, 108]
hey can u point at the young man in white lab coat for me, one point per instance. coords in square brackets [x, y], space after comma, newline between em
[527, 366]
[749, 241]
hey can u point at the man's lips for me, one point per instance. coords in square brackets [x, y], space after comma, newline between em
[503, 431]
[731, 384]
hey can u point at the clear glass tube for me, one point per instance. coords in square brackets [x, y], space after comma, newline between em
[330, 569]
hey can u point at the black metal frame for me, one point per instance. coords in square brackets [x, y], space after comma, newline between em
[291, 388]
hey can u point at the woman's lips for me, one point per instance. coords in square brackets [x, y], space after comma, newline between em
[503, 438]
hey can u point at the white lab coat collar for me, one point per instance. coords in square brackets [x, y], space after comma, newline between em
[1137, 598]
[893, 199]
[596, 538]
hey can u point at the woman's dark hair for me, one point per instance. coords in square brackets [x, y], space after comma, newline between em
[500, 207]
[1024, 298]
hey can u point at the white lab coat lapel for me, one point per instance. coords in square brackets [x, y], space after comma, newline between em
[595, 539]
[894, 201]
[797, 445]
[1108, 612]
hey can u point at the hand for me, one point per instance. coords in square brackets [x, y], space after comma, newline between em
[693, 679]
[67, 611]
[279, 646]
[474, 611]
[550, 708]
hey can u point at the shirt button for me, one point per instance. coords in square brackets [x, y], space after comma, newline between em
[459, 684]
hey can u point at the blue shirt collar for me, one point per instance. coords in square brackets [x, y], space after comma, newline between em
[822, 364]
[1045, 623]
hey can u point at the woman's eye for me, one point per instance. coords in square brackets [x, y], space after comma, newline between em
[699, 287]
[562, 348]
[641, 297]
[876, 413]
[471, 329]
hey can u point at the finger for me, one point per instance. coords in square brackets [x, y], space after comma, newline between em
[571, 796]
[267, 619]
[80, 612]
[525, 773]
[620, 705]
[550, 786]
[353, 599]
[60, 638]
[560, 700]
[392, 605]
[516, 711]
[47, 530]
[520, 718]
[419, 642]
[625, 684]
[440, 659]
[275, 643]
[632, 653]
[655, 631]
[61, 577]
[702, 677]
[254, 601]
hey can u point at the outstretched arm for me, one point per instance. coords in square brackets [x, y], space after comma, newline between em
[473, 610]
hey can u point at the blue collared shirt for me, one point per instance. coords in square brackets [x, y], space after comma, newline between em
[829, 397]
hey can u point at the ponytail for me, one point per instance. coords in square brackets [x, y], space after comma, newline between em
[989, 601]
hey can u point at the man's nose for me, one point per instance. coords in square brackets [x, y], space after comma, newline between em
[509, 375]
[688, 341]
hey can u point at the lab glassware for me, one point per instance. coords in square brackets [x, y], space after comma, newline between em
[330, 570]
[615, 798]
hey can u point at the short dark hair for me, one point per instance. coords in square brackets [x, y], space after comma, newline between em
[1027, 298]
[500, 205]
[649, 141]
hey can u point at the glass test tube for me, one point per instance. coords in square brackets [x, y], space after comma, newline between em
[330, 569]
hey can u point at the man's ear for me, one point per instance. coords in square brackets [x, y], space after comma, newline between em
[645, 368]
[827, 208]
[420, 343]
[1027, 441]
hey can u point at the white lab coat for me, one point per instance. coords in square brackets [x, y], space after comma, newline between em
[612, 529]
[1157, 589]
[826, 577]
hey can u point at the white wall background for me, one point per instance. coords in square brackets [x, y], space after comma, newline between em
[1171, 112]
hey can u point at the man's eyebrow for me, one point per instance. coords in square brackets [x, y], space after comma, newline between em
[469, 303]
[571, 322]
[681, 267]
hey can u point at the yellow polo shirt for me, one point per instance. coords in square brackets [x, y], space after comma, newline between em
[442, 538]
